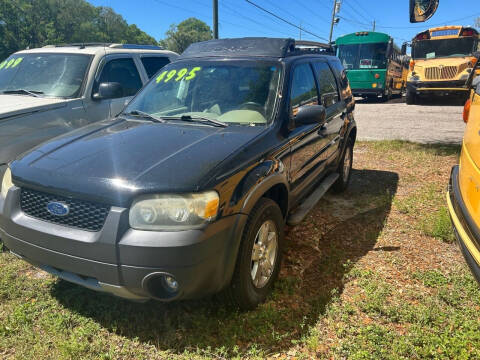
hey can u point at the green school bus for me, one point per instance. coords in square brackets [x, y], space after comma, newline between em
[375, 65]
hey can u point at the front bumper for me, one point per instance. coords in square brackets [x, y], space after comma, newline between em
[123, 261]
[437, 87]
[466, 231]
[368, 92]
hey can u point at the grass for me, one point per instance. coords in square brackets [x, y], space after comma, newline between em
[370, 274]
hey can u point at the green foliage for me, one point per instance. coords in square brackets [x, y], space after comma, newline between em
[30, 24]
[189, 31]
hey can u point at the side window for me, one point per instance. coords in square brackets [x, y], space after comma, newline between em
[303, 91]
[340, 73]
[154, 63]
[327, 84]
[124, 72]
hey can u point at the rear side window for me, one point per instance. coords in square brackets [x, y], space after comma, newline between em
[154, 63]
[303, 89]
[339, 70]
[122, 71]
[327, 84]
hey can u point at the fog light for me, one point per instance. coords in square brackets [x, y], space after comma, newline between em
[170, 283]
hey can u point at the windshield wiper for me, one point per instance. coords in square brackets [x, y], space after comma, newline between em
[24, 92]
[145, 115]
[196, 119]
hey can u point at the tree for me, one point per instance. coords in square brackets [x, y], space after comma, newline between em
[189, 31]
[27, 23]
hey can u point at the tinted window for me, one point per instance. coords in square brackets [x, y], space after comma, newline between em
[340, 73]
[154, 63]
[303, 90]
[327, 84]
[122, 71]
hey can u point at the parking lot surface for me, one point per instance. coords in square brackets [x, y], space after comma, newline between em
[433, 122]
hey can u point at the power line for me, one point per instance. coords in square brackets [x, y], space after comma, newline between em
[354, 10]
[430, 25]
[233, 11]
[285, 21]
[359, 7]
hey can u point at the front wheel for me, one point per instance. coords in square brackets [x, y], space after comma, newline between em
[259, 257]
[411, 98]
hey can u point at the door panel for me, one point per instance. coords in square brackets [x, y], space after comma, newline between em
[308, 143]
[336, 110]
[121, 69]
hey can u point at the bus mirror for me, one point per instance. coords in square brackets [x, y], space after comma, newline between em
[404, 49]
[422, 10]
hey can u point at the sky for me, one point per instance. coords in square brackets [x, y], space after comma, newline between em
[238, 18]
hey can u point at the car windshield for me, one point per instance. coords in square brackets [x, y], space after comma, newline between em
[363, 56]
[242, 92]
[56, 75]
[429, 49]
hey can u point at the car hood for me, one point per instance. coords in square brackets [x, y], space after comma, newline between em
[113, 161]
[14, 105]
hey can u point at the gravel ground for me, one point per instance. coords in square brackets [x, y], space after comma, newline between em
[433, 122]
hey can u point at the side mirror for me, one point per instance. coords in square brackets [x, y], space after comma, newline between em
[422, 10]
[311, 114]
[404, 49]
[109, 90]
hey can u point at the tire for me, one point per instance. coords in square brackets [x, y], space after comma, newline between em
[344, 169]
[249, 287]
[388, 95]
[411, 98]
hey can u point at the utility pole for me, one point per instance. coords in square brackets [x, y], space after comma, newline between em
[215, 19]
[335, 11]
[373, 25]
[300, 31]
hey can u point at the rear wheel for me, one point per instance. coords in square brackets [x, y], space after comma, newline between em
[259, 257]
[411, 98]
[344, 168]
[388, 94]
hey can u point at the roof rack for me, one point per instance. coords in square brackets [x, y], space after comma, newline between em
[309, 47]
[109, 45]
[256, 46]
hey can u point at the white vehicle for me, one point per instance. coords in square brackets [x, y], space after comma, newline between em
[49, 91]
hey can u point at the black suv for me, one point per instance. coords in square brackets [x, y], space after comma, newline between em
[186, 193]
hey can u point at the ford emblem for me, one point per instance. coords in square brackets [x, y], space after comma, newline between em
[58, 208]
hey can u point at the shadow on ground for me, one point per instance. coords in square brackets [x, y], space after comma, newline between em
[319, 252]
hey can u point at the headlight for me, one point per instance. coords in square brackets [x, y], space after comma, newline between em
[6, 183]
[173, 212]
[413, 78]
[464, 76]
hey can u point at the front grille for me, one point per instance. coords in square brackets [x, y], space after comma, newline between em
[441, 73]
[82, 214]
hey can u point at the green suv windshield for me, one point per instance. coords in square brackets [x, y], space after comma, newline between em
[242, 92]
[57, 75]
[363, 56]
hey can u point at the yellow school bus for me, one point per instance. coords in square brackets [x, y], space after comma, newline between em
[441, 62]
